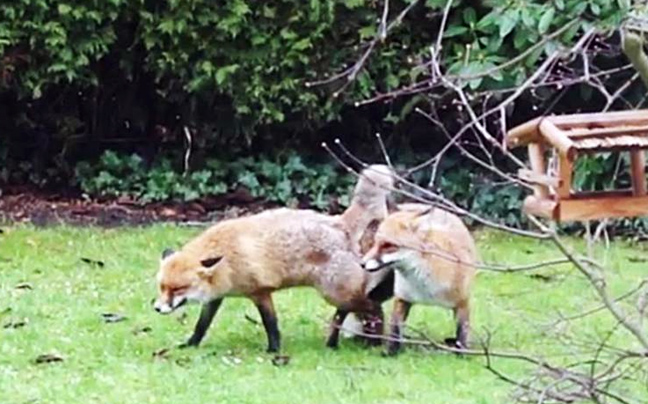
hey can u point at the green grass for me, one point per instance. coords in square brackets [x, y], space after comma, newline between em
[110, 363]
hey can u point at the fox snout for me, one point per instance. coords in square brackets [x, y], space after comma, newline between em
[381, 256]
[375, 264]
[166, 306]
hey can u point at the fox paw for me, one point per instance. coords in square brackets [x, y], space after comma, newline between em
[392, 350]
[187, 344]
[389, 353]
[454, 343]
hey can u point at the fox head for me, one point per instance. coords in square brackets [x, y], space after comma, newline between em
[397, 238]
[184, 279]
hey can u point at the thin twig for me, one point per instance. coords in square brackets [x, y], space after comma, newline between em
[597, 282]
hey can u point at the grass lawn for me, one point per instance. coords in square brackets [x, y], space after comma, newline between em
[64, 298]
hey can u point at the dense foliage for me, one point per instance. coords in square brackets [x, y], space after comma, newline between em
[78, 77]
[284, 179]
[135, 68]
[287, 179]
[79, 72]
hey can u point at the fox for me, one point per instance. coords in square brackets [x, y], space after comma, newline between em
[434, 257]
[370, 205]
[254, 256]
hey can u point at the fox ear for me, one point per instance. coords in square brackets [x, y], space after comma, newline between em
[208, 266]
[167, 253]
[420, 223]
[391, 204]
[210, 262]
[425, 211]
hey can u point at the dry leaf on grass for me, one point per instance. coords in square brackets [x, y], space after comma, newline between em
[142, 330]
[162, 353]
[90, 261]
[112, 317]
[15, 324]
[48, 358]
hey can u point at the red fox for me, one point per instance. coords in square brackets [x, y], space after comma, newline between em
[256, 255]
[369, 207]
[435, 257]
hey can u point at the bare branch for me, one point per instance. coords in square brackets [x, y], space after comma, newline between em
[597, 282]
[350, 74]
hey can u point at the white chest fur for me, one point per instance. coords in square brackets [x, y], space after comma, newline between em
[416, 284]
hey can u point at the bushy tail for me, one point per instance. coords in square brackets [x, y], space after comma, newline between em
[369, 202]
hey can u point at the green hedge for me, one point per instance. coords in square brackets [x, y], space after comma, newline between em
[236, 69]
[232, 68]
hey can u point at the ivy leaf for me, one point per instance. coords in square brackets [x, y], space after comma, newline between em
[409, 106]
[353, 3]
[269, 12]
[474, 84]
[57, 67]
[37, 92]
[488, 22]
[391, 118]
[532, 59]
[367, 32]
[578, 9]
[495, 74]
[596, 9]
[546, 20]
[240, 8]
[302, 44]
[624, 4]
[435, 3]
[454, 30]
[224, 72]
[469, 15]
[550, 47]
[207, 67]
[527, 19]
[166, 26]
[507, 22]
[391, 81]
[64, 9]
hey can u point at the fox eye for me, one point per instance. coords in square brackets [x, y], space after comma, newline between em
[180, 290]
[387, 247]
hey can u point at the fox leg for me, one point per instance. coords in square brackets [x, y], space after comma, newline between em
[373, 320]
[373, 325]
[462, 315]
[368, 311]
[207, 313]
[269, 318]
[399, 316]
[336, 324]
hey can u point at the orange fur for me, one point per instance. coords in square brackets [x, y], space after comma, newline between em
[256, 255]
[269, 251]
[435, 257]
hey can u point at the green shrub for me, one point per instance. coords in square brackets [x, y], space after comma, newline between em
[284, 179]
[289, 180]
[236, 70]
[228, 68]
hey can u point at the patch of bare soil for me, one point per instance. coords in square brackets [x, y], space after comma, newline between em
[50, 208]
